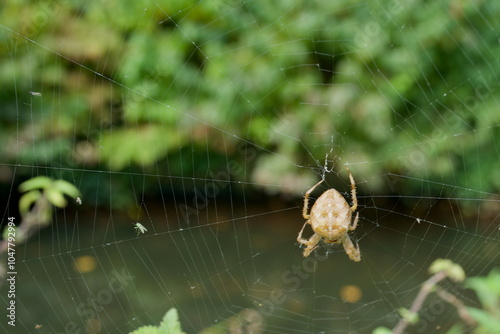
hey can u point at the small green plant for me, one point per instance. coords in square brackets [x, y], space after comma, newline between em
[482, 320]
[487, 290]
[40, 195]
[169, 325]
[43, 187]
[246, 321]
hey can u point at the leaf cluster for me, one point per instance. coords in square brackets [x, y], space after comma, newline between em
[375, 82]
[170, 324]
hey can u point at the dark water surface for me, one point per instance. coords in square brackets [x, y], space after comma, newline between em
[228, 259]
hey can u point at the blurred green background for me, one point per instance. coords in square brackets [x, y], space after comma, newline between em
[181, 87]
[180, 115]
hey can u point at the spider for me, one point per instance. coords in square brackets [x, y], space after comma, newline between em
[331, 218]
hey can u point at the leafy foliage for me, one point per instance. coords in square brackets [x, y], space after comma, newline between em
[169, 325]
[41, 194]
[488, 291]
[483, 320]
[453, 271]
[384, 80]
[52, 190]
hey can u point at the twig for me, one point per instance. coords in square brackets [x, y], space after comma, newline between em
[461, 309]
[426, 288]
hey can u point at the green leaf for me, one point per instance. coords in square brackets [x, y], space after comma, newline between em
[456, 329]
[485, 320]
[122, 147]
[35, 183]
[409, 316]
[456, 273]
[55, 197]
[66, 188]
[9, 231]
[170, 323]
[487, 289]
[147, 330]
[453, 270]
[382, 330]
[27, 200]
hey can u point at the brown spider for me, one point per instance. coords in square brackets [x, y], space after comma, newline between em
[331, 219]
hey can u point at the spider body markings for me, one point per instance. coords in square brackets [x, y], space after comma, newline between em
[331, 219]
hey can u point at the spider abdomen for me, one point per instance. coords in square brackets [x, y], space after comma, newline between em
[330, 215]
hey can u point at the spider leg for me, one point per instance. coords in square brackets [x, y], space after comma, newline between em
[311, 243]
[353, 252]
[354, 224]
[306, 200]
[353, 190]
[299, 238]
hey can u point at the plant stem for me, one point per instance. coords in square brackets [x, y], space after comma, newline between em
[426, 288]
[461, 309]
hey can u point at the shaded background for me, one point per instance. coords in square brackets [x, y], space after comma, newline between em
[207, 121]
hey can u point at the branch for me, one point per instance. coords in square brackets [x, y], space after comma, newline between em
[426, 288]
[461, 309]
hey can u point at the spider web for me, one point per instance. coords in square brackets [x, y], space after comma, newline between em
[195, 149]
